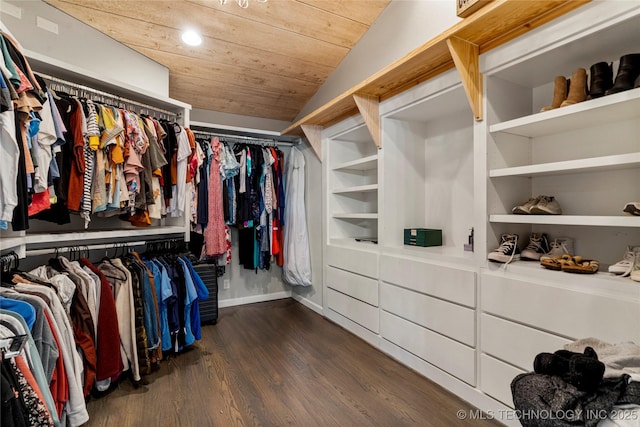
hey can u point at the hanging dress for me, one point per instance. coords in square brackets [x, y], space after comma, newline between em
[214, 235]
[297, 260]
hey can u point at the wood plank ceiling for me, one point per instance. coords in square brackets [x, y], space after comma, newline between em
[264, 61]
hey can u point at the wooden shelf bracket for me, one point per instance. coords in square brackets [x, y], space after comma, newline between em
[465, 57]
[369, 107]
[314, 135]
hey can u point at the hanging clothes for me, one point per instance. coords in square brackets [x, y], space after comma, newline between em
[79, 156]
[297, 260]
[215, 241]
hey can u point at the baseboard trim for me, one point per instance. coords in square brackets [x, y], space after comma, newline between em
[308, 303]
[253, 299]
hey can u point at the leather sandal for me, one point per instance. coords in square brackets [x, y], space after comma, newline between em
[581, 266]
[555, 263]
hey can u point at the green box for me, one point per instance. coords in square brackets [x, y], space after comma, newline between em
[422, 237]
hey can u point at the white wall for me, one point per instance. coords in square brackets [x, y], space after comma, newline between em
[238, 121]
[80, 45]
[403, 26]
[312, 296]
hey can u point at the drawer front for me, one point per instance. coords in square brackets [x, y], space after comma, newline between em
[515, 343]
[359, 287]
[496, 377]
[566, 312]
[448, 319]
[448, 283]
[361, 262]
[353, 309]
[448, 355]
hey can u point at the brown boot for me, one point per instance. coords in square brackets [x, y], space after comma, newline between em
[577, 89]
[559, 93]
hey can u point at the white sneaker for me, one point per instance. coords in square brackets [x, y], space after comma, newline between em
[635, 271]
[525, 208]
[560, 246]
[538, 246]
[507, 251]
[624, 266]
[547, 205]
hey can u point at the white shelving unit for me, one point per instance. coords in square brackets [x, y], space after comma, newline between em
[469, 324]
[352, 179]
[429, 164]
[580, 220]
[356, 215]
[587, 156]
[600, 111]
[357, 189]
[44, 234]
[593, 164]
[363, 164]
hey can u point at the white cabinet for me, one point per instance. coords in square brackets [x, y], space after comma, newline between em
[469, 324]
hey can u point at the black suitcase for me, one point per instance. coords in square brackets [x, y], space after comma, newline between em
[208, 307]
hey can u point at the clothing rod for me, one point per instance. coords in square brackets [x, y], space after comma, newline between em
[244, 140]
[36, 252]
[106, 94]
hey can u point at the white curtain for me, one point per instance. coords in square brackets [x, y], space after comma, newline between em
[297, 260]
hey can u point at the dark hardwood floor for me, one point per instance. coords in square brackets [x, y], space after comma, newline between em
[274, 364]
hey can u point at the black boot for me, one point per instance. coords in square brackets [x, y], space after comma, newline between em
[628, 72]
[601, 79]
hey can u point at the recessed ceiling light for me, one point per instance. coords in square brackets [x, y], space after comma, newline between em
[191, 38]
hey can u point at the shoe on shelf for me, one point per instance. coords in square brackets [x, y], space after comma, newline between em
[507, 251]
[628, 72]
[579, 265]
[560, 90]
[632, 208]
[559, 247]
[538, 246]
[577, 88]
[635, 271]
[547, 205]
[525, 208]
[600, 79]
[628, 262]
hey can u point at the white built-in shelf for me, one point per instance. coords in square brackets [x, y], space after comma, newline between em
[11, 242]
[350, 242]
[88, 236]
[363, 164]
[357, 189]
[355, 215]
[444, 254]
[618, 161]
[595, 112]
[597, 221]
[602, 282]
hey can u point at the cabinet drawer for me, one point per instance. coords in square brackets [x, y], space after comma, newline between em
[359, 287]
[361, 262]
[515, 343]
[448, 355]
[353, 309]
[449, 319]
[496, 377]
[448, 283]
[567, 312]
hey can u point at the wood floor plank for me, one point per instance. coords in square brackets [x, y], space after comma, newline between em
[274, 364]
